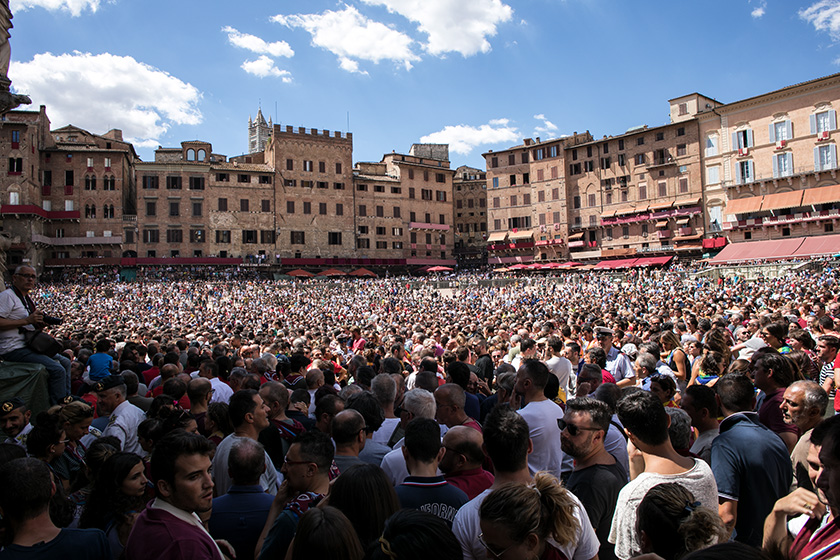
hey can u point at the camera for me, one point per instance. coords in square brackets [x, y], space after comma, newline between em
[52, 320]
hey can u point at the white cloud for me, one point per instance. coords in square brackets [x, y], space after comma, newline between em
[463, 139]
[546, 127]
[352, 37]
[100, 91]
[759, 11]
[461, 27]
[264, 67]
[257, 45]
[824, 16]
[75, 7]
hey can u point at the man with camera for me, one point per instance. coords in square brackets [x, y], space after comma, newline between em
[17, 315]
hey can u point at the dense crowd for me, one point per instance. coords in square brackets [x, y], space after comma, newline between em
[212, 414]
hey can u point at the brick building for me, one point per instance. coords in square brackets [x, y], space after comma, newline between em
[770, 163]
[65, 191]
[470, 217]
[404, 207]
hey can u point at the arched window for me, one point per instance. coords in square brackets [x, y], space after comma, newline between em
[90, 182]
[14, 198]
[108, 183]
[108, 211]
[201, 155]
[190, 155]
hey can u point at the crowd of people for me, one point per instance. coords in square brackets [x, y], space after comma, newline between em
[655, 414]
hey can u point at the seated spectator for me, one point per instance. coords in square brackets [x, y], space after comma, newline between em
[14, 421]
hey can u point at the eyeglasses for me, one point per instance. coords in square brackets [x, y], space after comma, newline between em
[290, 462]
[573, 430]
[495, 554]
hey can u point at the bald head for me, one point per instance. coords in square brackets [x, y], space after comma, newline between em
[467, 442]
[168, 371]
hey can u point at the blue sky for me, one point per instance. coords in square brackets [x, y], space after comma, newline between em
[478, 74]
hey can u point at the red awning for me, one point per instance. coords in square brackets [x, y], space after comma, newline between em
[652, 261]
[708, 243]
[758, 250]
[819, 246]
[743, 205]
[616, 264]
[782, 201]
[822, 195]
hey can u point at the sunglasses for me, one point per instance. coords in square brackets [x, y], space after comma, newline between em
[573, 430]
[492, 551]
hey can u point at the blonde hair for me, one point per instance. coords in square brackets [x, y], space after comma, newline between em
[545, 508]
[72, 413]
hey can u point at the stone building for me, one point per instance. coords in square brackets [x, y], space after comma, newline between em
[770, 163]
[470, 216]
[65, 193]
[404, 207]
[314, 209]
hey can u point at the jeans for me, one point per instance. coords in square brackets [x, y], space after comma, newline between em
[59, 378]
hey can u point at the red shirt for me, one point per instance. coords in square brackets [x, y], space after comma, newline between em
[471, 481]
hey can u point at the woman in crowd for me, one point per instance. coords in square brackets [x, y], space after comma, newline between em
[519, 519]
[118, 496]
[675, 357]
[366, 496]
[664, 387]
[325, 532]
[217, 422]
[76, 418]
[411, 534]
[775, 335]
[671, 522]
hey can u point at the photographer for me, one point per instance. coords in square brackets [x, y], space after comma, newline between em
[17, 314]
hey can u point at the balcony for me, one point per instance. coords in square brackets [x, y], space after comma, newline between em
[70, 241]
[428, 226]
[23, 209]
[664, 234]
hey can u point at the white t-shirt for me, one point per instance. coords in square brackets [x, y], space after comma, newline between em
[386, 430]
[699, 480]
[11, 308]
[542, 417]
[222, 391]
[562, 369]
[467, 528]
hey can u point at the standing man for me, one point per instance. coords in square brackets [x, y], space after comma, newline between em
[803, 405]
[18, 314]
[598, 477]
[557, 364]
[221, 391]
[450, 400]
[483, 362]
[618, 364]
[124, 417]
[249, 416]
[348, 433]
[827, 347]
[306, 470]
[424, 489]
[541, 415]
[751, 463]
[701, 406]
[169, 529]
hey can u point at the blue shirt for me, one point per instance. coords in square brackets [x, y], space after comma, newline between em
[239, 517]
[100, 366]
[751, 464]
[433, 495]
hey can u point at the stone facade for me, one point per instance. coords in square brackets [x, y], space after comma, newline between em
[470, 216]
[65, 192]
[770, 163]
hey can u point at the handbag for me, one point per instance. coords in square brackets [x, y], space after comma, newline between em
[41, 343]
